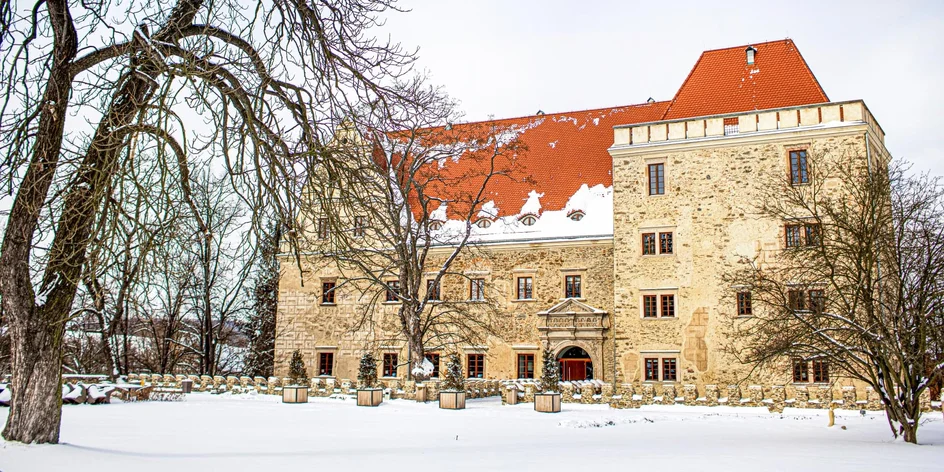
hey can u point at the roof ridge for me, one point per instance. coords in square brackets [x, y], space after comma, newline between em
[634, 105]
[784, 40]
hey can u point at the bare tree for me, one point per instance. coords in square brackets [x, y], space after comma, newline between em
[255, 91]
[397, 214]
[859, 285]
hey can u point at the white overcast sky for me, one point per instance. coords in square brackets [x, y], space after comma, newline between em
[514, 57]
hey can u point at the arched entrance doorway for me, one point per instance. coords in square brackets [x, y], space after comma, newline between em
[575, 364]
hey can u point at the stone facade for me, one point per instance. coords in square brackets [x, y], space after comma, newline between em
[714, 175]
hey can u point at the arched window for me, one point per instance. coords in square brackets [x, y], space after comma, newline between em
[528, 220]
[483, 223]
[435, 225]
[576, 215]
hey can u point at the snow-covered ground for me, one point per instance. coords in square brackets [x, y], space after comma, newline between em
[257, 433]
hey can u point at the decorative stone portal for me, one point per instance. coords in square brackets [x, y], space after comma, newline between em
[574, 331]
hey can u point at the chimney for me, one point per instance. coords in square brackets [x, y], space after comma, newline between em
[751, 52]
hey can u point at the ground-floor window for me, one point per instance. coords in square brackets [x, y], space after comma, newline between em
[819, 367]
[390, 364]
[525, 366]
[660, 368]
[433, 358]
[326, 363]
[476, 366]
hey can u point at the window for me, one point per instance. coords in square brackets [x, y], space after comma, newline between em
[476, 364]
[744, 304]
[820, 371]
[390, 364]
[665, 243]
[360, 225]
[432, 290]
[525, 366]
[799, 170]
[649, 309]
[817, 301]
[433, 358]
[572, 286]
[668, 370]
[393, 291]
[576, 216]
[477, 290]
[483, 223]
[326, 363]
[648, 244]
[528, 220]
[731, 126]
[652, 369]
[327, 293]
[435, 225]
[524, 288]
[812, 234]
[793, 235]
[323, 230]
[656, 179]
[796, 300]
[668, 306]
[800, 371]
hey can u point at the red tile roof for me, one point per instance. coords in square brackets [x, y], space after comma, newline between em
[723, 82]
[567, 150]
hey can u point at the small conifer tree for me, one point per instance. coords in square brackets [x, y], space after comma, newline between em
[550, 377]
[296, 369]
[367, 371]
[454, 381]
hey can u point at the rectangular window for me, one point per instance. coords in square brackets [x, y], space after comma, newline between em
[648, 244]
[327, 293]
[524, 288]
[476, 364]
[433, 358]
[326, 363]
[668, 306]
[477, 289]
[820, 371]
[432, 290]
[525, 366]
[799, 171]
[793, 235]
[360, 225]
[393, 291]
[744, 307]
[796, 300]
[323, 230]
[572, 286]
[668, 370]
[652, 369]
[656, 179]
[812, 234]
[649, 308]
[390, 364]
[665, 243]
[731, 126]
[817, 301]
[801, 372]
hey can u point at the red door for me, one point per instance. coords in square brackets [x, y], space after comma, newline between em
[574, 369]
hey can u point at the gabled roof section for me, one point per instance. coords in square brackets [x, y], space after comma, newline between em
[723, 82]
[571, 306]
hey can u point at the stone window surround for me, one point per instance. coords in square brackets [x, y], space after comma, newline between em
[787, 149]
[322, 281]
[659, 291]
[658, 229]
[665, 176]
[737, 289]
[515, 274]
[390, 302]
[395, 352]
[471, 275]
[660, 354]
[582, 272]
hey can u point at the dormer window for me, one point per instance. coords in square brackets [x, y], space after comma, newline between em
[435, 225]
[483, 223]
[576, 215]
[528, 220]
[751, 52]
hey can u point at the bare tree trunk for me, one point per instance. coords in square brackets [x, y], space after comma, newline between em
[36, 404]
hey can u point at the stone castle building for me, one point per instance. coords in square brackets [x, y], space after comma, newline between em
[613, 252]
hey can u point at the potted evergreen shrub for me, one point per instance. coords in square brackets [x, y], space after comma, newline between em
[452, 395]
[549, 400]
[297, 389]
[369, 392]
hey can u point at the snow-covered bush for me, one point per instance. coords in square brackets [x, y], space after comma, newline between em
[367, 371]
[550, 375]
[454, 381]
